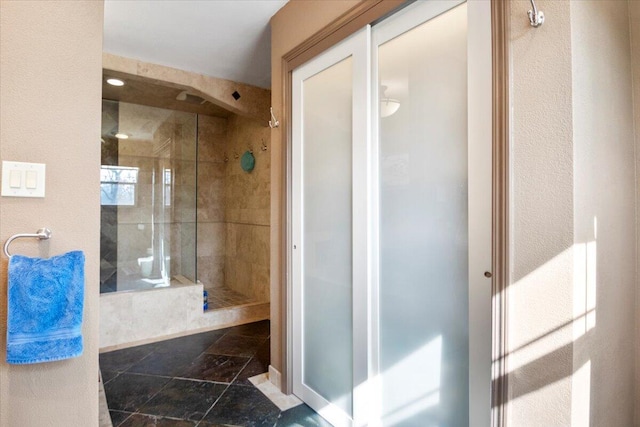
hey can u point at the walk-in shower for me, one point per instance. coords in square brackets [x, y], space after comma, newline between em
[182, 222]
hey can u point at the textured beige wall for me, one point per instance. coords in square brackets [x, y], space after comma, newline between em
[50, 80]
[293, 24]
[634, 24]
[604, 215]
[540, 295]
[571, 297]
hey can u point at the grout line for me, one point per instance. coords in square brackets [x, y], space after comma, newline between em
[135, 363]
[157, 392]
[163, 416]
[240, 371]
[200, 381]
[148, 375]
[214, 404]
[118, 373]
[128, 416]
[245, 223]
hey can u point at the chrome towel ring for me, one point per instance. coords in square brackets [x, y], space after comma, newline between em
[42, 234]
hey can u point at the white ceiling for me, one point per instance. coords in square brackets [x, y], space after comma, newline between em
[229, 39]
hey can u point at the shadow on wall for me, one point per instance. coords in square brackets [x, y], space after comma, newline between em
[570, 300]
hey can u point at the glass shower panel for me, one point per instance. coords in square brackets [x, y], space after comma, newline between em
[148, 197]
[327, 242]
[423, 219]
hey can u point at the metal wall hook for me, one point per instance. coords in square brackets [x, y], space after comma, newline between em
[226, 158]
[536, 17]
[42, 234]
[236, 156]
[263, 146]
[273, 123]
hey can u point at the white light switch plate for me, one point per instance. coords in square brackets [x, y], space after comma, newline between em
[31, 182]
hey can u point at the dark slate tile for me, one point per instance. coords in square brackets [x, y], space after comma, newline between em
[108, 375]
[166, 364]
[184, 399]
[118, 417]
[213, 367]
[194, 344]
[255, 329]
[301, 416]
[243, 406]
[236, 345]
[121, 360]
[253, 368]
[139, 420]
[206, 424]
[264, 353]
[129, 392]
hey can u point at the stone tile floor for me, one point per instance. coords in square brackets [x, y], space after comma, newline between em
[199, 380]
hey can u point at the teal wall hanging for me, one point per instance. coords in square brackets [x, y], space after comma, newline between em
[247, 161]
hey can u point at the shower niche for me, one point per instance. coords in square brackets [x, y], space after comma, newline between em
[179, 215]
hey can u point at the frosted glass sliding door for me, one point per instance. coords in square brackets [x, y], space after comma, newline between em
[391, 222]
[423, 222]
[326, 285]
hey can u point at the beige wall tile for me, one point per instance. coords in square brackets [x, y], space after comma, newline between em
[211, 270]
[239, 199]
[211, 239]
[260, 281]
[212, 231]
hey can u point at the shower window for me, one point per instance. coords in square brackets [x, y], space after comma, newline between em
[147, 197]
[118, 185]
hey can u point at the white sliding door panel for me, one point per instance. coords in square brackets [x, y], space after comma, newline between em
[329, 285]
[423, 219]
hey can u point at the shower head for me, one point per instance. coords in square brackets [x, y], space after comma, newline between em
[191, 99]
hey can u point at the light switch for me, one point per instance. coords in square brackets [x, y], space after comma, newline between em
[15, 178]
[20, 179]
[31, 180]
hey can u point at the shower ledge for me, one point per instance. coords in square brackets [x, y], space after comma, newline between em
[133, 318]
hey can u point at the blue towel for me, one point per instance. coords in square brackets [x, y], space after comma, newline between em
[44, 313]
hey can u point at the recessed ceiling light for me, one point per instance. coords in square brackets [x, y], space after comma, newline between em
[121, 135]
[115, 82]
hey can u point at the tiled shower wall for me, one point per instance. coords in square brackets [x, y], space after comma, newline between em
[233, 206]
[247, 210]
[212, 138]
